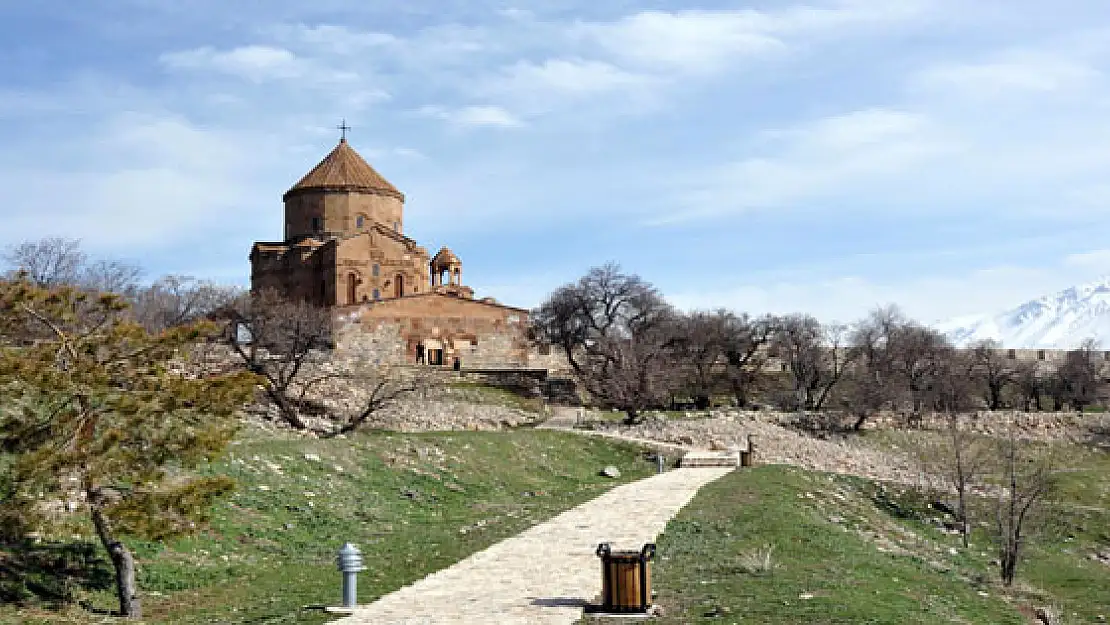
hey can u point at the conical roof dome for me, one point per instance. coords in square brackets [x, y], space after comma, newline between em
[344, 170]
[446, 257]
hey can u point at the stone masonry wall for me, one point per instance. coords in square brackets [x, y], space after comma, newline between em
[480, 334]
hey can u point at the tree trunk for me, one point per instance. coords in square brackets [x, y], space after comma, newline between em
[860, 420]
[1009, 565]
[632, 417]
[287, 409]
[964, 526]
[124, 563]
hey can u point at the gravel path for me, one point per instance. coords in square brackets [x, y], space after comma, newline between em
[546, 574]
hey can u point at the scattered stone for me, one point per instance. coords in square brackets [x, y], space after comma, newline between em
[1048, 615]
[312, 457]
[611, 472]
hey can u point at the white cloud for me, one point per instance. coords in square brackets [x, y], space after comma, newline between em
[532, 89]
[814, 160]
[690, 40]
[335, 39]
[569, 77]
[140, 182]
[1012, 75]
[256, 63]
[926, 298]
[470, 116]
[1094, 260]
[708, 40]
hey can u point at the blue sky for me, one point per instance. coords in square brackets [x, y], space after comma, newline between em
[824, 156]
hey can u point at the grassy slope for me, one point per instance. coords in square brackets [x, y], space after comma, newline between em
[1057, 565]
[917, 580]
[403, 499]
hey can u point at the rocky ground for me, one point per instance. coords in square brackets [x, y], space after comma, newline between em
[773, 443]
[779, 439]
[438, 408]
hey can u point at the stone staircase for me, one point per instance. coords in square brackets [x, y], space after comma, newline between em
[696, 459]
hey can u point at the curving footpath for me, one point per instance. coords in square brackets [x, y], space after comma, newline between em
[546, 574]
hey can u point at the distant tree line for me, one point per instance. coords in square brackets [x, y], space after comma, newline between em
[632, 351]
[166, 302]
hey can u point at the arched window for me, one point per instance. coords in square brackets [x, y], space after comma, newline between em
[376, 270]
[359, 221]
[396, 226]
[377, 294]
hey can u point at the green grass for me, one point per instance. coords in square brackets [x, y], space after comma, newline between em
[481, 393]
[864, 553]
[413, 504]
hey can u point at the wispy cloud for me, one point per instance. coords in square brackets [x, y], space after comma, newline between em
[929, 298]
[473, 116]
[824, 127]
[834, 155]
[699, 41]
[256, 63]
[1012, 75]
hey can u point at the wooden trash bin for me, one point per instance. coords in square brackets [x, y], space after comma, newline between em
[625, 579]
[747, 456]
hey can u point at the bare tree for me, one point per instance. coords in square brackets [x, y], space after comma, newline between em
[815, 355]
[701, 344]
[917, 354]
[618, 334]
[176, 300]
[1055, 386]
[278, 339]
[869, 385]
[746, 353]
[1081, 375]
[1029, 383]
[384, 386]
[111, 276]
[48, 262]
[1027, 483]
[990, 368]
[958, 458]
[968, 459]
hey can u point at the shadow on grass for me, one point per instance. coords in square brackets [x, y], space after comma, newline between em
[51, 574]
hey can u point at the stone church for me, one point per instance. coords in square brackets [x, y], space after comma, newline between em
[345, 248]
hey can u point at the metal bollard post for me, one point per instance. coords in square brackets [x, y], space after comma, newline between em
[660, 463]
[349, 562]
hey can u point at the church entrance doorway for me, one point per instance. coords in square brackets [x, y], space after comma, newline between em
[352, 289]
[399, 286]
[434, 351]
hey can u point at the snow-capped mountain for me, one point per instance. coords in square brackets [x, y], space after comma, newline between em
[1060, 321]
